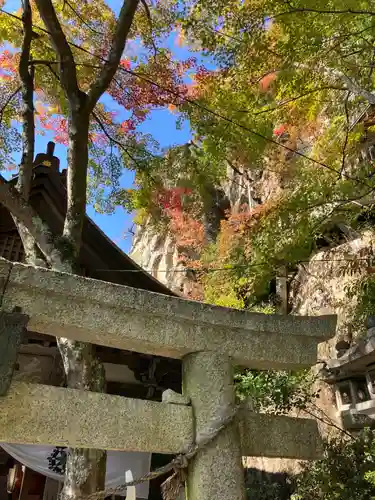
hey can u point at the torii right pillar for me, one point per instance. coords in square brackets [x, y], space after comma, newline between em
[216, 472]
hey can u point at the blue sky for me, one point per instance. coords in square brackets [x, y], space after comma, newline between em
[161, 124]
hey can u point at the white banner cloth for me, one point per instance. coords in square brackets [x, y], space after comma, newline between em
[118, 463]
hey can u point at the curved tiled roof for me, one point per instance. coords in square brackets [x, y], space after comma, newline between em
[100, 258]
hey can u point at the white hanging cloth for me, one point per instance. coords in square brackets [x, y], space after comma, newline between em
[121, 465]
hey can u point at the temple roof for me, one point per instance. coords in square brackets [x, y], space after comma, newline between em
[100, 258]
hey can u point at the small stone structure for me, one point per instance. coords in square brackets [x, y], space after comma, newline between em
[208, 339]
[352, 375]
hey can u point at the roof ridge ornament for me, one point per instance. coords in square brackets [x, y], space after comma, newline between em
[48, 159]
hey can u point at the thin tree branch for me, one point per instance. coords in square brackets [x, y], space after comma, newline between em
[49, 64]
[77, 14]
[27, 88]
[328, 421]
[296, 98]
[68, 73]
[360, 12]
[53, 72]
[148, 14]
[351, 85]
[347, 128]
[7, 102]
[113, 140]
[341, 202]
[371, 66]
[109, 68]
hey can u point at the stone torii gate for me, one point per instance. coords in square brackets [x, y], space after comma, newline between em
[208, 339]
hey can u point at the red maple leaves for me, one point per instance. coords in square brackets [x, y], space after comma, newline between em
[8, 65]
[188, 231]
[280, 130]
[172, 199]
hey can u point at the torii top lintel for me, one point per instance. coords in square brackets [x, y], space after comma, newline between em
[133, 319]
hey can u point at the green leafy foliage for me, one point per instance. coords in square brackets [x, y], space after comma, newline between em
[284, 103]
[261, 485]
[276, 392]
[361, 293]
[345, 472]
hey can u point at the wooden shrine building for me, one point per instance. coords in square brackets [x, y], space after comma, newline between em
[128, 373]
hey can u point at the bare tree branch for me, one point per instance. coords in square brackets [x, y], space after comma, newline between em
[68, 73]
[109, 68]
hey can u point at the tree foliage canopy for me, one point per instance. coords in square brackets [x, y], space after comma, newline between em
[289, 98]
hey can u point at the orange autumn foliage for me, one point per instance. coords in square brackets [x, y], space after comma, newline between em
[238, 226]
[188, 232]
[266, 81]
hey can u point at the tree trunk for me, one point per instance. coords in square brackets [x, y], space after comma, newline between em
[76, 181]
[26, 73]
[85, 468]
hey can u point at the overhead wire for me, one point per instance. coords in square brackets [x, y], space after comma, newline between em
[232, 267]
[216, 114]
[228, 120]
[207, 109]
[87, 65]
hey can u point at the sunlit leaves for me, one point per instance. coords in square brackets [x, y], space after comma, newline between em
[115, 144]
[345, 472]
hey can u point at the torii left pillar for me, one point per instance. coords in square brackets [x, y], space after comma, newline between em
[12, 327]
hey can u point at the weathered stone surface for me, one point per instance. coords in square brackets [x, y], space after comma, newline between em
[216, 471]
[174, 398]
[320, 287]
[158, 254]
[12, 326]
[42, 414]
[129, 318]
[5, 268]
[279, 436]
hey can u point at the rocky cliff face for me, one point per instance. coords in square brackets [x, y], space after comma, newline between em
[318, 287]
[158, 253]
